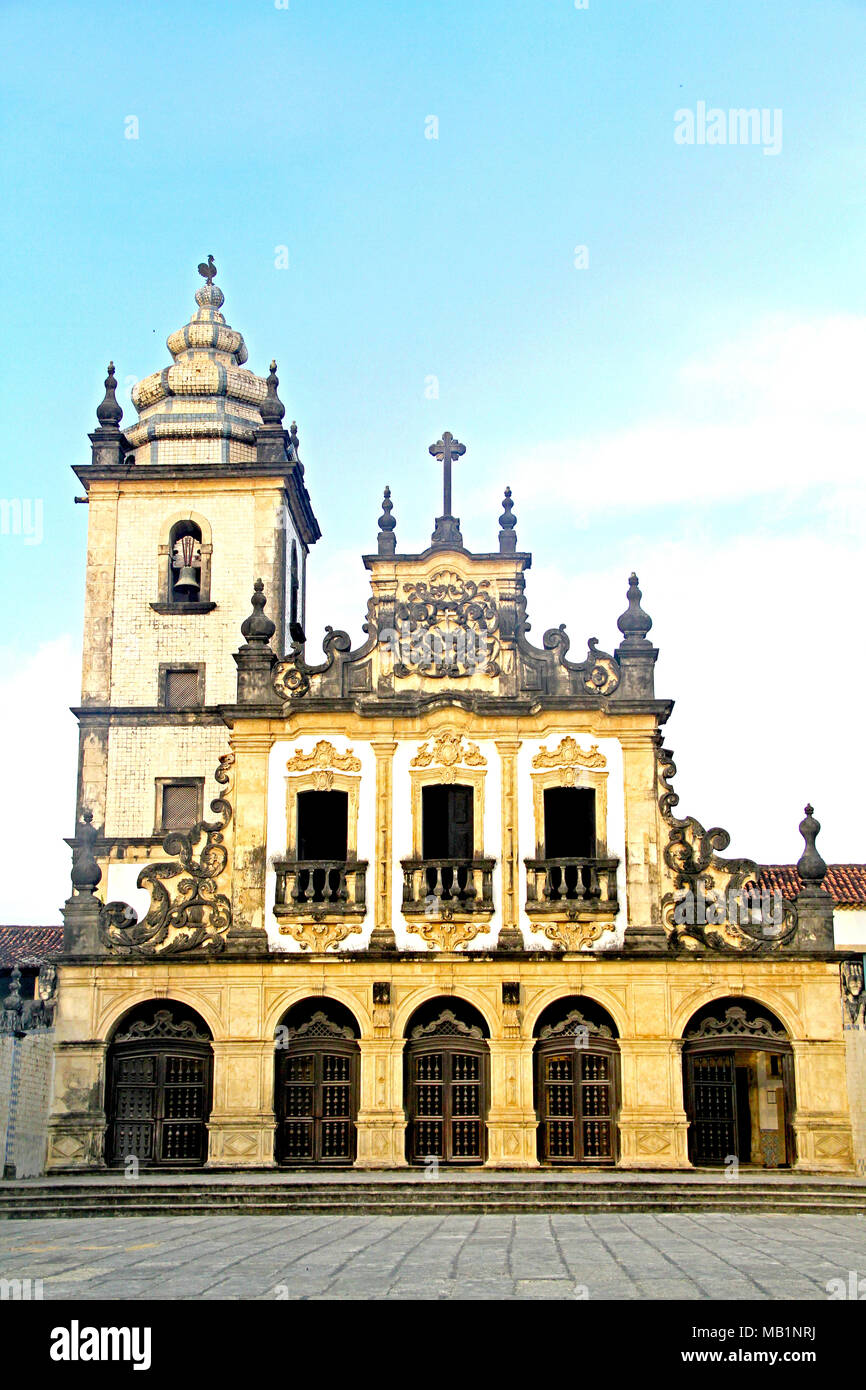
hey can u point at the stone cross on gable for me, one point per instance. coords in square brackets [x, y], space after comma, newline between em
[446, 449]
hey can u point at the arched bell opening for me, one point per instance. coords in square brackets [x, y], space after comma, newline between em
[159, 1087]
[577, 1083]
[738, 1080]
[316, 1084]
[447, 1083]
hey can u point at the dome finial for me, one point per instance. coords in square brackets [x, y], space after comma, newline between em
[272, 409]
[387, 526]
[108, 412]
[811, 866]
[208, 269]
[634, 623]
[257, 629]
[507, 523]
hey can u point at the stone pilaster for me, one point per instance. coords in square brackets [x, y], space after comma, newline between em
[643, 884]
[822, 1129]
[511, 1120]
[382, 937]
[510, 936]
[249, 795]
[76, 1126]
[381, 1120]
[241, 1125]
[653, 1126]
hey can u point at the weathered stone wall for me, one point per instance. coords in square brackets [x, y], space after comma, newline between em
[26, 1077]
[137, 756]
[855, 1050]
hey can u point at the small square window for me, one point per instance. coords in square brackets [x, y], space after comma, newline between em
[179, 803]
[181, 687]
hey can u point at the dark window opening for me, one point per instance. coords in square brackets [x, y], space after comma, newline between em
[447, 823]
[569, 823]
[323, 825]
[294, 585]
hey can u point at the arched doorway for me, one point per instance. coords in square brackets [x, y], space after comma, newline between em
[738, 1074]
[447, 1080]
[577, 1083]
[159, 1070]
[316, 1080]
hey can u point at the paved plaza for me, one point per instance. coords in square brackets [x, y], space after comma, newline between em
[602, 1256]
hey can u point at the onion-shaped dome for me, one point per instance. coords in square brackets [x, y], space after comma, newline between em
[205, 408]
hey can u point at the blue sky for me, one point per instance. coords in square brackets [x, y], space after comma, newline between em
[690, 404]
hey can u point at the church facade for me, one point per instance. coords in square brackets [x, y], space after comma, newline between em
[424, 899]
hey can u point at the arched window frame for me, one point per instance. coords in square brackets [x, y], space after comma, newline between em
[165, 602]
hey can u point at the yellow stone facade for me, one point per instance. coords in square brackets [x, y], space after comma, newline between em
[413, 707]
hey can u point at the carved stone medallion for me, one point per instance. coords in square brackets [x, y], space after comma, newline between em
[448, 751]
[569, 756]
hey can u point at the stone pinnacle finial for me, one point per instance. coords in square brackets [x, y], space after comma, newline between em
[634, 623]
[507, 523]
[272, 409]
[86, 873]
[13, 1003]
[295, 442]
[108, 412]
[447, 532]
[387, 525]
[810, 865]
[257, 629]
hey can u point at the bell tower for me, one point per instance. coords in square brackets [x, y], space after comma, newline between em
[199, 497]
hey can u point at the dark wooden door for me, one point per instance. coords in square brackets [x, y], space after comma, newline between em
[711, 1101]
[447, 822]
[316, 1104]
[447, 1103]
[577, 1102]
[159, 1105]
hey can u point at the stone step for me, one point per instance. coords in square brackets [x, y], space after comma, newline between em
[20, 1201]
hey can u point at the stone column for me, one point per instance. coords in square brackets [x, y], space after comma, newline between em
[653, 1125]
[241, 1126]
[510, 936]
[383, 938]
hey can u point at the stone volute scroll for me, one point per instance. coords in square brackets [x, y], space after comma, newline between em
[189, 907]
[712, 903]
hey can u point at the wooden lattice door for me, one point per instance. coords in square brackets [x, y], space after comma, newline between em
[316, 1097]
[159, 1094]
[447, 1085]
[711, 1094]
[577, 1105]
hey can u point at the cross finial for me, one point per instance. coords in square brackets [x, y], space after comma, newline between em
[447, 532]
[446, 449]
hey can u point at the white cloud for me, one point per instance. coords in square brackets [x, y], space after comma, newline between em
[40, 765]
[780, 410]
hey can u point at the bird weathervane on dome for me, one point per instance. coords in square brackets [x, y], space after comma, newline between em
[208, 269]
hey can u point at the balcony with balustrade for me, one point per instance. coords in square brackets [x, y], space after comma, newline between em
[320, 887]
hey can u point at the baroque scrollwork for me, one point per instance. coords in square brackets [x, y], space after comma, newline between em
[449, 750]
[701, 876]
[450, 625]
[735, 1024]
[195, 914]
[571, 934]
[569, 755]
[163, 1026]
[324, 756]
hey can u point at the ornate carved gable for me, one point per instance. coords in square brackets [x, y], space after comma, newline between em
[324, 755]
[449, 751]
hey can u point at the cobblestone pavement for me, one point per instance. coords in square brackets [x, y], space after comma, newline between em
[426, 1257]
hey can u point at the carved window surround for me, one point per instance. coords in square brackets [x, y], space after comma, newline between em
[569, 765]
[448, 759]
[342, 906]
